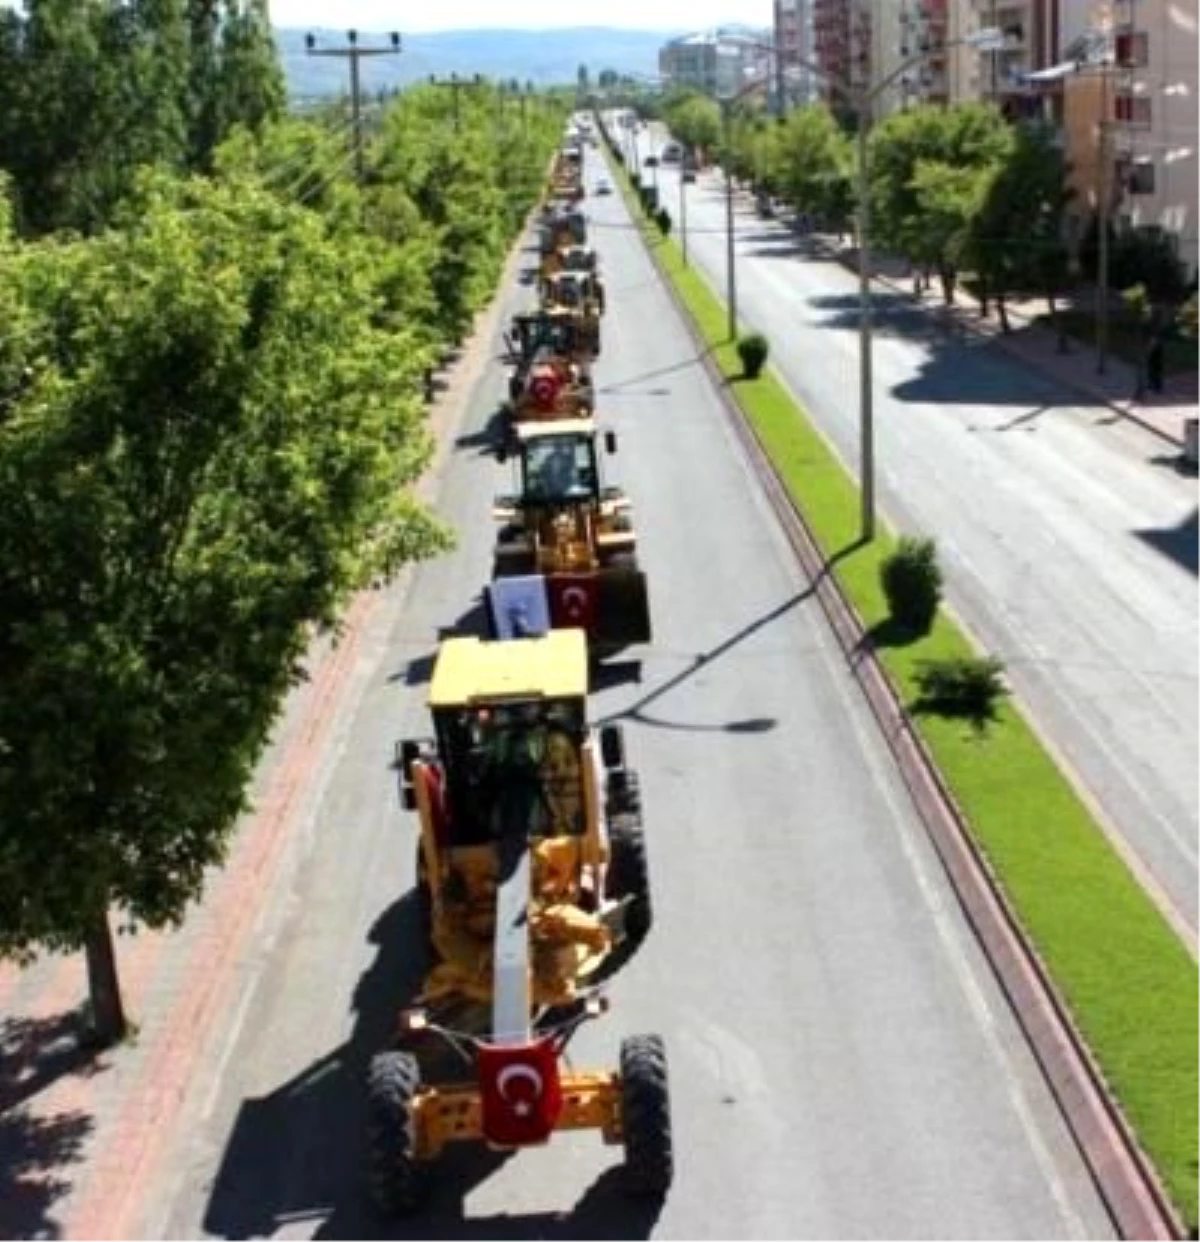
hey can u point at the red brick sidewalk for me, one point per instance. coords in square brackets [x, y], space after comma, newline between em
[82, 1135]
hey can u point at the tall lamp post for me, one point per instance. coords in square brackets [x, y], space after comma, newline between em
[990, 39]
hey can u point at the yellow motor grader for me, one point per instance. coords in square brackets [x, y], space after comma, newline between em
[532, 874]
[566, 549]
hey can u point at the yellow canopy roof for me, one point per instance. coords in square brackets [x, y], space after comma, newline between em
[469, 670]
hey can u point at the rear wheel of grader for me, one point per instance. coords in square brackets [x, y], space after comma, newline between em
[397, 1180]
[646, 1115]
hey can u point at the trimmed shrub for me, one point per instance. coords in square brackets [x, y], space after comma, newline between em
[966, 686]
[912, 584]
[753, 351]
[663, 220]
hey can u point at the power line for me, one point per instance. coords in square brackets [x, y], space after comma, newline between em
[456, 84]
[354, 54]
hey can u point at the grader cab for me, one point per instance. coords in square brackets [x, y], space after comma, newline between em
[566, 550]
[532, 874]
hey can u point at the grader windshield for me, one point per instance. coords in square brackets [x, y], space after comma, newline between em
[558, 469]
[513, 769]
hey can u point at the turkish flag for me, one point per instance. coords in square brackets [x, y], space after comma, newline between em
[572, 601]
[521, 1092]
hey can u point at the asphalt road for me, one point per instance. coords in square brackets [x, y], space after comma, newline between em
[842, 1063]
[1068, 537]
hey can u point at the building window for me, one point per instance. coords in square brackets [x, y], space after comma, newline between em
[1133, 110]
[1132, 49]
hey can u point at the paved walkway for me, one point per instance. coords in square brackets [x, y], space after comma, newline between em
[82, 1132]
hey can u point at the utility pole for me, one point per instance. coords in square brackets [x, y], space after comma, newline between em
[354, 54]
[456, 84]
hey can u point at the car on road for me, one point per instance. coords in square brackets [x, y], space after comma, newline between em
[603, 187]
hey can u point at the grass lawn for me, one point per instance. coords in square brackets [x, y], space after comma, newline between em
[1129, 982]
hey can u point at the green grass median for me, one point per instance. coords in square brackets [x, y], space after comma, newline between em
[1129, 982]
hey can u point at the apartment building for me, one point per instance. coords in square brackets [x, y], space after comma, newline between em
[1128, 85]
[842, 45]
[1032, 41]
[719, 63]
[925, 26]
[794, 43]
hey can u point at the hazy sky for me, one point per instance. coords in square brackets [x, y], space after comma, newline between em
[454, 14]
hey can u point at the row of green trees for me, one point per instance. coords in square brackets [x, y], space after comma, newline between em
[212, 362]
[953, 189]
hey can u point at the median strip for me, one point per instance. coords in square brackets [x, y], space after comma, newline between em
[1123, 975]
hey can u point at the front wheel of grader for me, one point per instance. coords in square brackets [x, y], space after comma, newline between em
[629, 870]
[646, 1116]
[398, 1181]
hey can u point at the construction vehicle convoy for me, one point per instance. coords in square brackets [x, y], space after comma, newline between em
[532, 879]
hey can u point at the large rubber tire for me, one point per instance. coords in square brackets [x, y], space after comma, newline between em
[398, 1181]
[646, 1116]
[629, 875]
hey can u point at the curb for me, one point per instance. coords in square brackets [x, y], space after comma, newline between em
[998, 338]
[1126, 1182]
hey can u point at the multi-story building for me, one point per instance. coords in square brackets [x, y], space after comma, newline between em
[719, 62]
[842, 46]
[925, 27]
[796, 50]
[1031, 44]
[1128, 86]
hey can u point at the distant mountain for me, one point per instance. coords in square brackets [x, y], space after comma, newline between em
[544, 57]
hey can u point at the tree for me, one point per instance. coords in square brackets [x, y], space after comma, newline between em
[1015, 240]
[965, 139]
[695, 120]
[813, 158]
[206, 443]
[92, 90]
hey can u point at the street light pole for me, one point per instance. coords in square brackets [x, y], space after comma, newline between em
[730, 249]
[1104, 197]
[683, 214]
[866, 385]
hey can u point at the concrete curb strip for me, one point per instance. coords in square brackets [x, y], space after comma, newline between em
[1126, 1181]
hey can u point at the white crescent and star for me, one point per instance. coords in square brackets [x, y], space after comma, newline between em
[571, 594]
[524, 1073]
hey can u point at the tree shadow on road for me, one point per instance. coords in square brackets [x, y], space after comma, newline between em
[961, 365]
[37, 1148]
